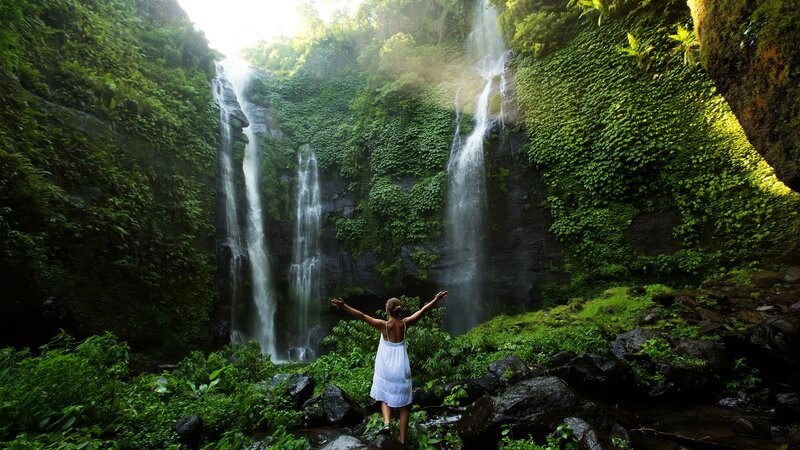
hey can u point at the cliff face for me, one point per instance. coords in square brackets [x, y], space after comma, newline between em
[107, 156]
[749, 48]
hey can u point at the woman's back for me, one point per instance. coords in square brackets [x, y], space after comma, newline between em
[395, 331]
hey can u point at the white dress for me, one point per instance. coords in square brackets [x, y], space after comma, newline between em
[392, 380]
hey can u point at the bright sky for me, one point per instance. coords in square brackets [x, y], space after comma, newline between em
[231, 25]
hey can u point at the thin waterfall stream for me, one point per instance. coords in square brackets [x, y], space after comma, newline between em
[261, 324]
[306, 269]
[233, 240]
[466, 202]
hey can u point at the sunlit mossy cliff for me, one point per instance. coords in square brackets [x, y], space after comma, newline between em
[647, 174]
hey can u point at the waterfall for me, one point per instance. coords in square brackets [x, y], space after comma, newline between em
[466, 193]
[228, 109]
[305, 271]
[262, 323]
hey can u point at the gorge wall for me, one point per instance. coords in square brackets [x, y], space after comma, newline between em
[108, 137]
[623, 163]
[749, 49]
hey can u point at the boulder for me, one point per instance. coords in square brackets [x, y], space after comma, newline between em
[631, 342]
[344, 442]
[339, 409]
[780, 337]
[189, 430]
[681, 380]
[475, 387]
[584, 433]
[713, 353]
[385, 443]
[507, 370]
[313, 413]
[301, 388]
[792, 275]
[787, 407]
[603, 375]
[765, 278]
[561, 358]
[428, 397]
[535, 406]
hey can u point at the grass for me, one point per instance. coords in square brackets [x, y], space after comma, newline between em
[578, 326]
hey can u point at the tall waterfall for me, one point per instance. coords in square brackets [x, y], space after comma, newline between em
[262, 322]
[305, 271]
[466, 194]
[228, 109]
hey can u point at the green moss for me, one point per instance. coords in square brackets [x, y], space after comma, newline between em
[612, 142]
[110, 143]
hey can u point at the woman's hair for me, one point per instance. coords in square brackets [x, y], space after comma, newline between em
[394, 307]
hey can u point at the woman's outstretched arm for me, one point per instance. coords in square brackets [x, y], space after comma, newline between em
[412, 319]
[339, 303]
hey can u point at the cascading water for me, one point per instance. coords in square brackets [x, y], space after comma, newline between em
[262, 324]
[466, 194]
[228, 108]
[305, 271]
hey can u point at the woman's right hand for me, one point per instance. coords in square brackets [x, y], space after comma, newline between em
[440, 295]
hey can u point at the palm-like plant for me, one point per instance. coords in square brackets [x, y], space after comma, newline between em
[686, 43]
[638, 49]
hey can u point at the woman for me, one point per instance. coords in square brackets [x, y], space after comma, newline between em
[391, 384]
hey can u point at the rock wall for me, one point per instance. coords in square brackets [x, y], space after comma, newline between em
[749, 48]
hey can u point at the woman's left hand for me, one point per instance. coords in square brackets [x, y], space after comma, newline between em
[337, 302]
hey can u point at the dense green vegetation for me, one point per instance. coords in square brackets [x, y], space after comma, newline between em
[621, 127]
[107, 157]
[82, 392]
[372, 95]
[623, 124]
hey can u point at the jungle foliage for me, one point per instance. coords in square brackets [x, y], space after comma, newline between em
[623, 123]
[107, 157]
[371, 94]
[82, 394]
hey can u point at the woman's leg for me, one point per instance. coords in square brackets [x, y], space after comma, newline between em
[403, 424]
[386, 412]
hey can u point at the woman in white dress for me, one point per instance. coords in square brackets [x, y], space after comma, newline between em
[391, 384]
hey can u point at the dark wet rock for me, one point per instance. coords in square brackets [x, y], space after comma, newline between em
[428, 397]
[385, 443]
[750, 427]
[683, 381]
[781, 336]
[339, 408]
[475, 387]
[707, 327]
[584, 433]
[535, 406]
[631, 342]
[664, 299]
[561, 358]
[189, 430]
[507, 370]
[765, 278]
[301, 388]
[602, 375]
[713, 353]
[620, 432]
[787, 407]
[712, 316]
[345, 442]
[648, 319]
[792, 275]
[313, 412]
